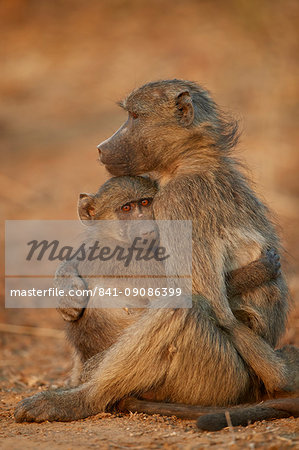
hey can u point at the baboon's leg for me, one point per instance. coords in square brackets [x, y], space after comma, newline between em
[212, 419]
[124, 369]
[152, 353]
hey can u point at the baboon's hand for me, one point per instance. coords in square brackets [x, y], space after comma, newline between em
[71, 305]
[271, 260]
[61, 405]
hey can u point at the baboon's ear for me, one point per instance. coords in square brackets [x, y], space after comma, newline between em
[86, 206]
[185, 110]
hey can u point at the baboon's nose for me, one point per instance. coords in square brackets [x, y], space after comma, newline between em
[103, 149]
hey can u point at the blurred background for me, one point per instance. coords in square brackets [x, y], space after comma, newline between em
[64, 64]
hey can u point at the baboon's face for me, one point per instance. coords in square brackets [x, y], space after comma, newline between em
[158, 117]
[143, 225]
[133, 219]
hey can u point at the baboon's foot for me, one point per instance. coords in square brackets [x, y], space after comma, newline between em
[71, 314]
[58, 405]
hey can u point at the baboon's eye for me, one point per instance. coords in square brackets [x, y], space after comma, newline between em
[146, 201]
[134, 115]
[126, 208]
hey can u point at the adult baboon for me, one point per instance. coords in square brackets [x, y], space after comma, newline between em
[175, 130]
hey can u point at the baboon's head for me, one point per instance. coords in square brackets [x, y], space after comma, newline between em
[122, 200]
[165, 119]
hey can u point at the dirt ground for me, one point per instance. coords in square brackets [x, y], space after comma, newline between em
[63, 65]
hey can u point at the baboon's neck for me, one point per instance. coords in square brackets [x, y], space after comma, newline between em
[193, 153]
[191, 161]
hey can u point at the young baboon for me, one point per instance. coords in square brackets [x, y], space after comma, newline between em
[120, 200]
[93, 330]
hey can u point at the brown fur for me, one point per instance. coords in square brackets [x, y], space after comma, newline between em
[177, 132]
[99, 328]
[190, 140]
[213, 419]
[93, 330]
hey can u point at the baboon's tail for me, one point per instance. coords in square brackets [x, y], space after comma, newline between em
[245, 414]
[213, 418]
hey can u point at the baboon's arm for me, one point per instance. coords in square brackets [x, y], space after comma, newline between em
[238, 281]
[253, 275]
